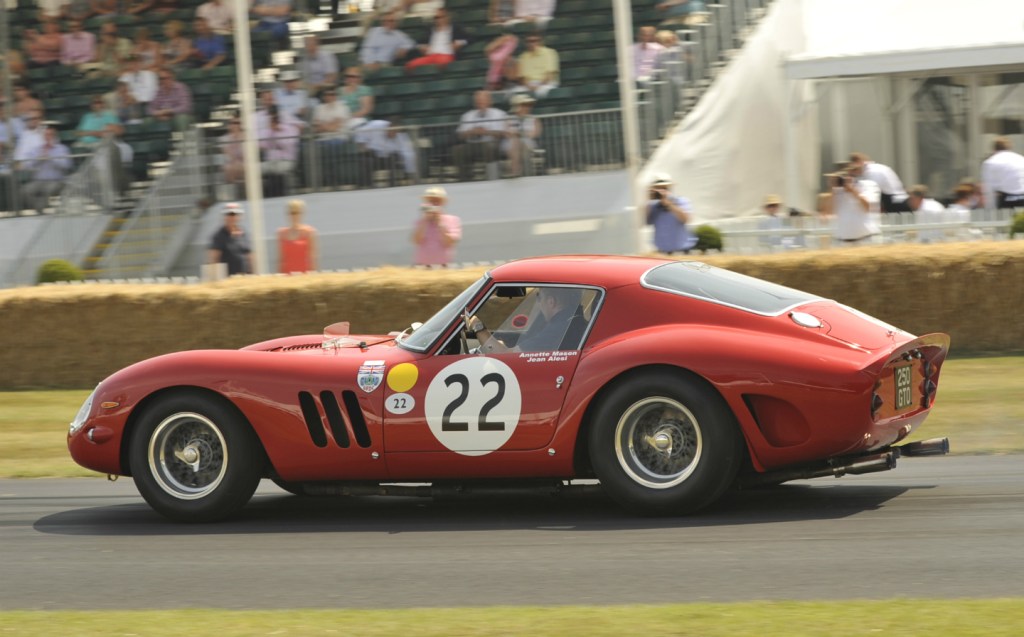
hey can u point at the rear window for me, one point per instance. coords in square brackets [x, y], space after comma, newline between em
[702, 281]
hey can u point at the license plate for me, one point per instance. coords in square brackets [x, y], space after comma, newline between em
[904, 391]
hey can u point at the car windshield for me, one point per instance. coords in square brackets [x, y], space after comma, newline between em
[427, 333]
[702, 281]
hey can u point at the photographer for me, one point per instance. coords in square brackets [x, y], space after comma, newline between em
[669, 214]
[436, 233]
[854, 204]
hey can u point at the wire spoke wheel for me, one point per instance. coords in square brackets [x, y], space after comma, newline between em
[658, 442]
[188, 456]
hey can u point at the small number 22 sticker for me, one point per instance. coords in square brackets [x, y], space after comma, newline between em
[400, 403]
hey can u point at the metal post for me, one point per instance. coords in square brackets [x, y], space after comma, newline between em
[621, 10]
[250, 152]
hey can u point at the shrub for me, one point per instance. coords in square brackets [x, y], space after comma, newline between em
[1017, 227]
[58, 270]
[708, 238]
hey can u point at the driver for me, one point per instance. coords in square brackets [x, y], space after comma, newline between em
[557, 306]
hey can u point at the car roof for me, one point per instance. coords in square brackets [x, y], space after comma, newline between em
[601, 270]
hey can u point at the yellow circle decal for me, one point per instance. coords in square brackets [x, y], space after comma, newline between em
[402, 377]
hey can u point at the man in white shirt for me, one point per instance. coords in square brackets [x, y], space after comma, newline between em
[646, 54]
[1002, 177]
[855, 206]
[291, 100]
[892, 193]
[319, 67]
[219, 15]
[31, 139]
[142, 83]
[538, 12]
[480, 133]
[926, 211]
[446, 39]
[385, 146]
[385, 44]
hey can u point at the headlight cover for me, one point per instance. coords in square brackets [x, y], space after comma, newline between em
[83, 413]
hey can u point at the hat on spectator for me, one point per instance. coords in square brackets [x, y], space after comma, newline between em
[522, 99]
[289, 76]
[772, 200]
[661, 179]
[233, 208]
[435, 191]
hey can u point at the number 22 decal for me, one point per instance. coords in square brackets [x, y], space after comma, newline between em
[473, 406]
[447, 424]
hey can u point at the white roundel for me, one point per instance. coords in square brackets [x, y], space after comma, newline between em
[473, 405]
[399, 403]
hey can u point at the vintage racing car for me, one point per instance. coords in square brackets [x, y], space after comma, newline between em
[667, 381]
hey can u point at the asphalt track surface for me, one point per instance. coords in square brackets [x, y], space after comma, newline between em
[935, 527]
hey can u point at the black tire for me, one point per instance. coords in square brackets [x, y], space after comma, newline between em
[664, 444]
[194, 458]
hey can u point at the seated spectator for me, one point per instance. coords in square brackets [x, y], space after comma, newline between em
[104, 7]
[499, 51]
[31, 138]
[176, 51]
[43, 49]
[681, 11]
[25, 104]
[318, 67]
[536, 12]
[123, 104]
[291, 99]
[538, 66]
[234, 156]
[50, 9]
[10, 132]
[926, 211]
[357, 96]
[384, 45]
[93, 124]
[146, 49]
[501, 11]
[209, 49]
[141, 82]
[119, 163]
[273, 17]
[77, 47]
[443, 45]
[386, 146]
[480, 133]
[49, 164]
[423, 9]
[280, 152]
[218, 15]
[265, 103]
[523, 132]
[646, 55]
[113, 51]
[172, 102]
[330, 123]
[16, 64]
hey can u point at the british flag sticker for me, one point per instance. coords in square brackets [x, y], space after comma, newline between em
[370, 376]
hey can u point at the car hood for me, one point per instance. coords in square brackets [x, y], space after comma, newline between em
[331, 345]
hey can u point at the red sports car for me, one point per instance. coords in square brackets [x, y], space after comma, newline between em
[667, 381]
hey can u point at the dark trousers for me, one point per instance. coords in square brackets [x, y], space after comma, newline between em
[888, 205]
[1006, 200]
[467, 154]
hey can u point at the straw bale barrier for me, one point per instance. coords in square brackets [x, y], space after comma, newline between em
[75, 335]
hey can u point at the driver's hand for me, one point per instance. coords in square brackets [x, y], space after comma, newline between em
[473, 324]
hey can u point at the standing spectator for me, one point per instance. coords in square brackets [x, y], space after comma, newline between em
[480, 132]
[926, 211]
[386, 146]
[854, 205]
[32, 138]
[536, 12]
[443, 46]
[25, 104]
[280, 146]
[772, 221]
[43, 49]
[318, 66]
[77, 47]
[230, 245]
[172, 102]
[113, 51]
[273, 16]
[673, 58]
[670, 215]
[893, 194]
[297, 242]
[218, 15]
[49, 164]
[680, 11]
[646, 54]
[357, 96]
[146, 49]
[234, 156]
[1002, 177]
[499, 51]
[177, 48]
[965, 198]
[384, 44]
[538, 66]
[142, 83]
[436, 232]
[291, 99]
[523, 131]
[209, 49]
[123, 104]
[93, 124]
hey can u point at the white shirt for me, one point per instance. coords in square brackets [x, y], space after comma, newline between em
[493, 119]
[852, 221]
[31, 140]
[930, 211]
[1002, 172]
[424, 8]
[374, 136]
[291, 103]
[141, 84]
[220, 17]
[534, 8]
[441, 41]
[886, 179]
[324, 113]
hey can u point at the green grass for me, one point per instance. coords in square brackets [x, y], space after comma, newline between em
[891, 618]
[979, 408]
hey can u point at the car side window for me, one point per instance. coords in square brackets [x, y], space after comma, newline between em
[536, 318]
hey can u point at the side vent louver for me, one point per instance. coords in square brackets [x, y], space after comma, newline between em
[334, 419]
[311, 415]
[355, 416]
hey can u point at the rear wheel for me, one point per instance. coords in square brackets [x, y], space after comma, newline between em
[664, 443]
[194, 459]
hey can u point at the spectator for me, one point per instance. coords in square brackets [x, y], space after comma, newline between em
[384, 44]
[773, 221]
[234, 156]
[673, 57]
[78, 10]
[280, 146]
[523, 131]
[142, 83]
[177, 48]
[50, 9]
[123, 104]
[230, 244]
[330, 122]
[499, 51]
[15, 64]
[536, 12]
[854, 205]
[291, 99]
[10, 132]
[965, 198]
[77, 47]
[1002, 177]
[380, 8]
[443, 45]
[120, 162]
[538, 66]
[357, 96]
[172, 102]
[297, 242]
[893, 195]
[112, 52]
[32, 138]
[209, 49]
[146, 49]
[480, 132]
[501, 11]
[266, 105]
[273, 18]
[436, 232]
[681, 11]
[386, 146]
[93, 124]
[218, 15]
[318, 67]
[423, 9]
[646, 54]
[49, 164]
[926, 211]
[670, 215]
[43, 49]
[25, 104]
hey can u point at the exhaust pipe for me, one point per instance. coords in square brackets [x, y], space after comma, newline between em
[931, 447]
[837, 467]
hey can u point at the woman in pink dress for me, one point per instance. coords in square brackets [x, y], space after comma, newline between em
[296, 243]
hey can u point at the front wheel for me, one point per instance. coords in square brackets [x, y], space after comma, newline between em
[194, 459]
[664, 443]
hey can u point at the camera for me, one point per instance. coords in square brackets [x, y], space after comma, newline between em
[657, 194]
